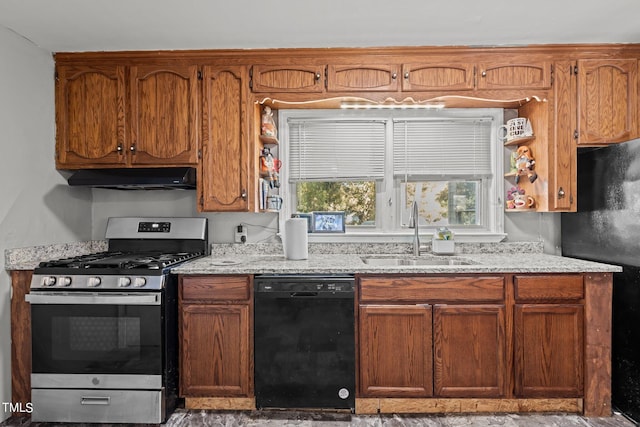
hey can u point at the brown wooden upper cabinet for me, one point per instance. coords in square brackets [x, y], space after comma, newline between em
[223, 182]
[511, 75]
[99, 127]
[287, 78]
[607, 101]
[164, 114]
[437, 76]
[345, 78]
[90, 116]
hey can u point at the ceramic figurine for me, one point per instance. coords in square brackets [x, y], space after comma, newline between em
[268, 124]
[525, 163]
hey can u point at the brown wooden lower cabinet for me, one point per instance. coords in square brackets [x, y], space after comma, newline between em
[395, 350]
[20, 338]
[442, 350]
[216, 340]
[549, 335]
[548, 350]
[469, 350]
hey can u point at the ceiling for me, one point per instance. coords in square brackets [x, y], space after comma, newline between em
[84, 25]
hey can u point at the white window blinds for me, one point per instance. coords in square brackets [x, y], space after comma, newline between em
[325, 150]
[442, 147]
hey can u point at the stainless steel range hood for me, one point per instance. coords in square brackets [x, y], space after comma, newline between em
[135, 178]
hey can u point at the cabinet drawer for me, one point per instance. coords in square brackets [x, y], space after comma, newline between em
[427, 289]
[549, 287]
[215, 288]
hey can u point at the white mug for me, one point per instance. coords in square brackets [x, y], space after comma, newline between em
[515, 128]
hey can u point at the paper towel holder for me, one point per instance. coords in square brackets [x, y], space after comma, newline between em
[328, 222]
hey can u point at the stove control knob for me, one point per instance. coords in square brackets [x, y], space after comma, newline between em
[139, 282]
[94, 282]
[65, 281]
[48, 281]
[123, 282]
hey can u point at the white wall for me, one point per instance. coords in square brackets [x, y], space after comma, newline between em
[106, 203]
[36, 205]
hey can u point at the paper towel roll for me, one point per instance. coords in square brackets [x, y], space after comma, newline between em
[296, 238]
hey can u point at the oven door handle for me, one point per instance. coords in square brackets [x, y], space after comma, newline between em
[93, 298]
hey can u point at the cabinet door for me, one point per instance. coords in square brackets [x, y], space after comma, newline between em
[607, 101]
[223, 182]
[214, 354]
[362, 78]
[548, 350]
[164, 115]
[444, 76]
[395, 351]
[90, 116]
[469, 351]
[512, 75]
[563, 162]
[289, 78]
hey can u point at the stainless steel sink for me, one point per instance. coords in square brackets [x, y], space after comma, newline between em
[415, 261]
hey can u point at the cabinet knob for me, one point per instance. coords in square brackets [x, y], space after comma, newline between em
[133, 149]
[483, 74]
[244, 194]
[394, 76]
[406, 75]
[318, 76]
[561, 193]
[119, 149]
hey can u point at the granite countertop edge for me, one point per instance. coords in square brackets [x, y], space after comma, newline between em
[353, 263]
[504, 257]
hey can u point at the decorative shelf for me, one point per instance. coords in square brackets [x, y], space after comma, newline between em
[521, 210]
[518, 141]
[269, 140]
[514, 174]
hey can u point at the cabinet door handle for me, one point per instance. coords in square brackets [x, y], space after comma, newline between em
[244, 194]
[133, 149]
[318, 76]
[561, 193]
[119, 149]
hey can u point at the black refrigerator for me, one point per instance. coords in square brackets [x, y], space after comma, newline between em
[606, 228]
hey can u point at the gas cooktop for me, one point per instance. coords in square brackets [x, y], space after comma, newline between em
[117, 261]
[141, 252]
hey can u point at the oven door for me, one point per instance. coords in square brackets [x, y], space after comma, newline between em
[96, 340]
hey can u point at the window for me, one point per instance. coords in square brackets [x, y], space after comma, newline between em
[372, 164]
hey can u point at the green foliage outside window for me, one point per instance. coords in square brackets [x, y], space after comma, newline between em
[356, 198]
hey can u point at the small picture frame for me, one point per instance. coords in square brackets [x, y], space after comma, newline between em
[328, 222]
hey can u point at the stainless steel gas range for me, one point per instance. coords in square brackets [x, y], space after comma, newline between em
[104, 326]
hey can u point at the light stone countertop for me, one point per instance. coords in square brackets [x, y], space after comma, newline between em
[28, 258]
[474, 258]
[268, 258]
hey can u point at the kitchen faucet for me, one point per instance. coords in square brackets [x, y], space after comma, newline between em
[413, 223]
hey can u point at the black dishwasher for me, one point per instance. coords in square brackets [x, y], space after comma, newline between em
[304, 341]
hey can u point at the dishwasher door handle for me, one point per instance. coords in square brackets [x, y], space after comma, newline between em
[303, 294]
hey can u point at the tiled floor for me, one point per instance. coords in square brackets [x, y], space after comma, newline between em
[183, 418]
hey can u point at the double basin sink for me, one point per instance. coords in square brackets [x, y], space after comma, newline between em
[391, 261]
